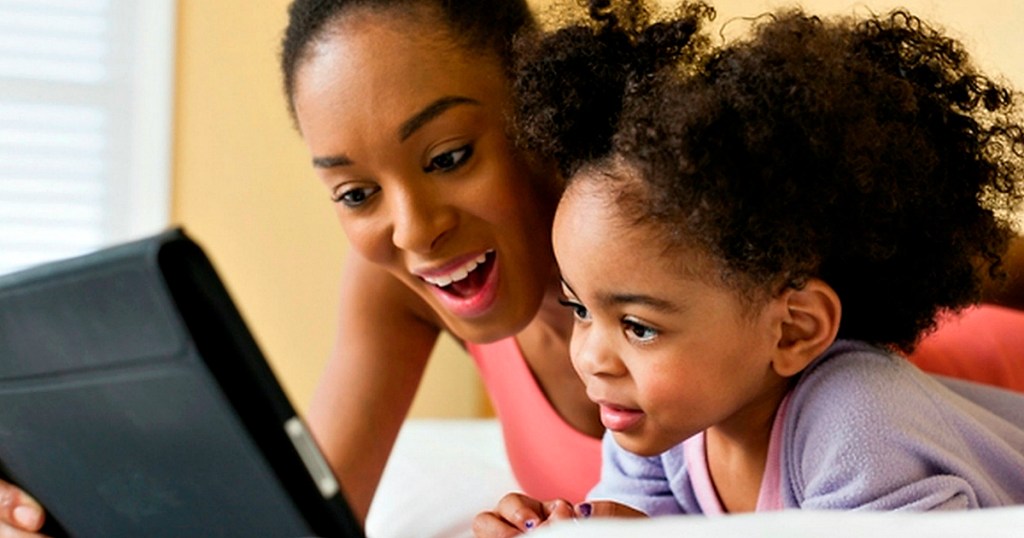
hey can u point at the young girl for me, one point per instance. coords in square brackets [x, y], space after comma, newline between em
[771, 221]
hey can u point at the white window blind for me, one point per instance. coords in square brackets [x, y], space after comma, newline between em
[85, 125]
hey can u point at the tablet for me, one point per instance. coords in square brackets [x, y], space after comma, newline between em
[134, 401]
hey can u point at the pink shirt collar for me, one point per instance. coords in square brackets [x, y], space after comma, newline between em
[770, 496]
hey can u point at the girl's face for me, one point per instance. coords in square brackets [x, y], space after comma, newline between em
[407, 132]
[664, 351]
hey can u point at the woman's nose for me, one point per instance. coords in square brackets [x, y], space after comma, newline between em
[421, 220]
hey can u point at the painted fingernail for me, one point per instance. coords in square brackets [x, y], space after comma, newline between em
[27, 516]
[530, 523]
[585, 509]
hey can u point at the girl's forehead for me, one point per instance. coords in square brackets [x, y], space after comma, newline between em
[607, 188]
[615, 205]
[585, 199]
[593, 206]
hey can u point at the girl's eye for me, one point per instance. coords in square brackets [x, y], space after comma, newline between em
[638, 331]
[578, 311]
[354, 197]
[449, 160]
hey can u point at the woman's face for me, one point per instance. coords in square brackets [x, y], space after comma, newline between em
[407, 132]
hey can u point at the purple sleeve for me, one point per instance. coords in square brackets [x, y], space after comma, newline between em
[635, 481]
[870, 431]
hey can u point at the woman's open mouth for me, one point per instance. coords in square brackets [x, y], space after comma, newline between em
[469, 289]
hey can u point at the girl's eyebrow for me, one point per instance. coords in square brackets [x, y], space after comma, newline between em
[407, 128]
[616, 299]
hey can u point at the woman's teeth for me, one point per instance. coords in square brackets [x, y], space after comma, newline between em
[458, 274]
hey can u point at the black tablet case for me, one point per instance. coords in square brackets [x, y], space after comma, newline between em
[135, 402]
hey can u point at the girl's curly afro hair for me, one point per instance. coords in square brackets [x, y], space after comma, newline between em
[867, 152]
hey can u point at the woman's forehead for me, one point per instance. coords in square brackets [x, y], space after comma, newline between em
[385, 67]
[415, 23]
[399, 51]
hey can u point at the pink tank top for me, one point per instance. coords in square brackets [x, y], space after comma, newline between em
[549, 458]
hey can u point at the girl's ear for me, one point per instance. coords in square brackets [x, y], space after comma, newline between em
[809, 326]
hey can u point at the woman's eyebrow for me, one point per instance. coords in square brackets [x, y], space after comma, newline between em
[331, 161]
[430, 112]
[407, 128]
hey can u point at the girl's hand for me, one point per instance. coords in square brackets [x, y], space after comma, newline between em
[516, 513]
[606, 509]
[20, 515]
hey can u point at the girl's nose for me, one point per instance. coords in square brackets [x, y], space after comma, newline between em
[592, 355]
[420, 221]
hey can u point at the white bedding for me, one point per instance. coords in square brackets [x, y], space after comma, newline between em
[443, 472]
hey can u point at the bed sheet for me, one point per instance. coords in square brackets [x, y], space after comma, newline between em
[989, 523]
[441, 473]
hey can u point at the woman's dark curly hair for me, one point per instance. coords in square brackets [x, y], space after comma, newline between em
[869, 153]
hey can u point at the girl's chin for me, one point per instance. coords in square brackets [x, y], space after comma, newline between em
[643, 446]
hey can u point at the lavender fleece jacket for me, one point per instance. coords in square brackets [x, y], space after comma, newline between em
[864, 430]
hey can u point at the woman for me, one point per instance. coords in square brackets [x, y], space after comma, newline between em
[402, 104]
[449, 230]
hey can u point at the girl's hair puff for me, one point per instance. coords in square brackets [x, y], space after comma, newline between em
[868, 152]
[570, 83]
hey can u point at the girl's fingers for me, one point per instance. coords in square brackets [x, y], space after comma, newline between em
[491, 525]
[524, 513]
[589, 509]
[558, 509]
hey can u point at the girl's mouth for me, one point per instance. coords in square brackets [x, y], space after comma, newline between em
[619, 419]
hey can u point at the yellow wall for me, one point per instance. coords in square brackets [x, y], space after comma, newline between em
[990, 29]
[243, 186]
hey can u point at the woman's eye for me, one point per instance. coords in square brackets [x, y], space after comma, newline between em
[354, 197]
[578, 311]
[449, 160]
[638, 331]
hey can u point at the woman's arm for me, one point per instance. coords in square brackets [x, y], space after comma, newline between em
[384, 339]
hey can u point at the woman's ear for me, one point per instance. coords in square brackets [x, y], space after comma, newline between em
[809, 325]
